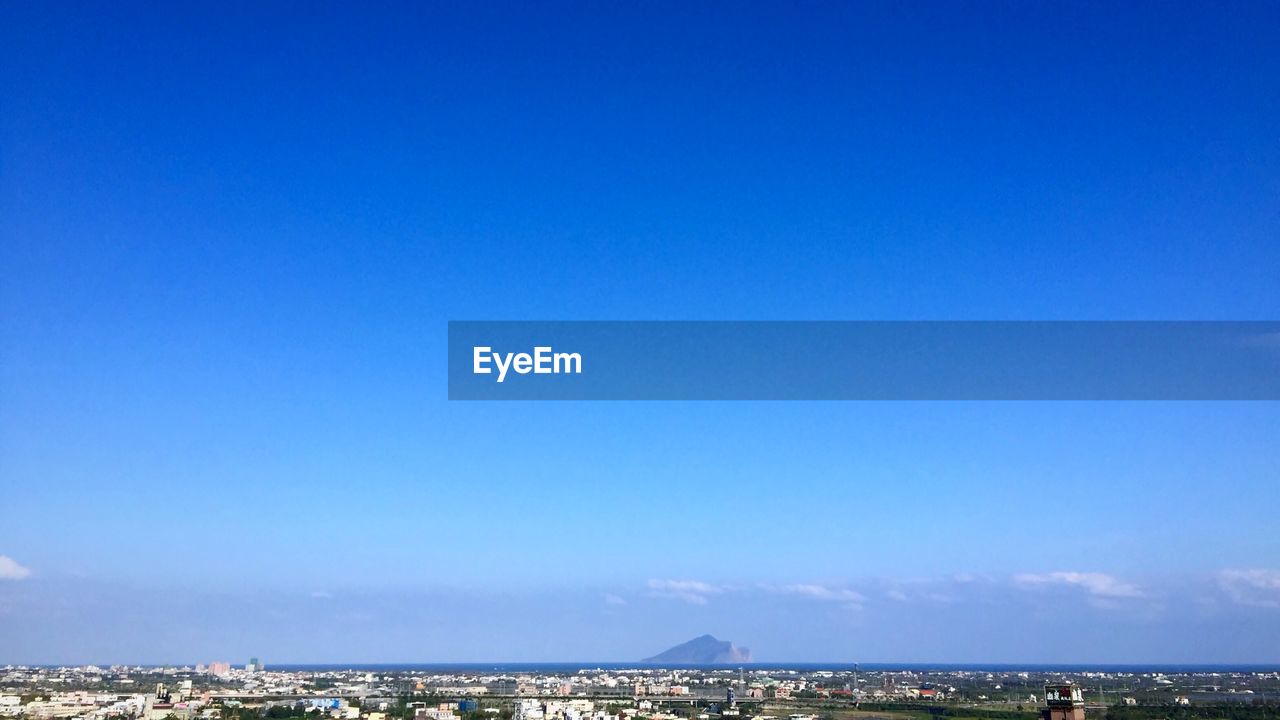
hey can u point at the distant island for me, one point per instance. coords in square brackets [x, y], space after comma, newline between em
[704, 650]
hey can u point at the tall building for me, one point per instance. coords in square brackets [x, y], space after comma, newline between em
[1065, 702]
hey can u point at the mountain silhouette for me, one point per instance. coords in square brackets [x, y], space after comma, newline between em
[704, 650]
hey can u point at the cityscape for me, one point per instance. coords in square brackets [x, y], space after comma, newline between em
[219, 691]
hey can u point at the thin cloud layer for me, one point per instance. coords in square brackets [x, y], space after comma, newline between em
[1258, 588]
[1218, 616]
[694, 592]
[11, 570]
[822, 592]
[1094, 583]
[846, 598]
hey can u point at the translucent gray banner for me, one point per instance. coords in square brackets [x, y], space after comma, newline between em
[554, 360]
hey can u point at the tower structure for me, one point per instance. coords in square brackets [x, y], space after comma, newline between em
[1063, 702]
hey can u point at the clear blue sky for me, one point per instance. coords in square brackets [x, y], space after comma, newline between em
[231, 237]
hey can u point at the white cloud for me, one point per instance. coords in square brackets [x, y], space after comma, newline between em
[939, 591]
[1096, 584]
[849, 599]
[694, 592]
[11, 570]
[1259, 588]
[611, 599]
[822, 592]
[916, 595]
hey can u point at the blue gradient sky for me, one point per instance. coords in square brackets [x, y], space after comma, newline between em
[231, 237]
